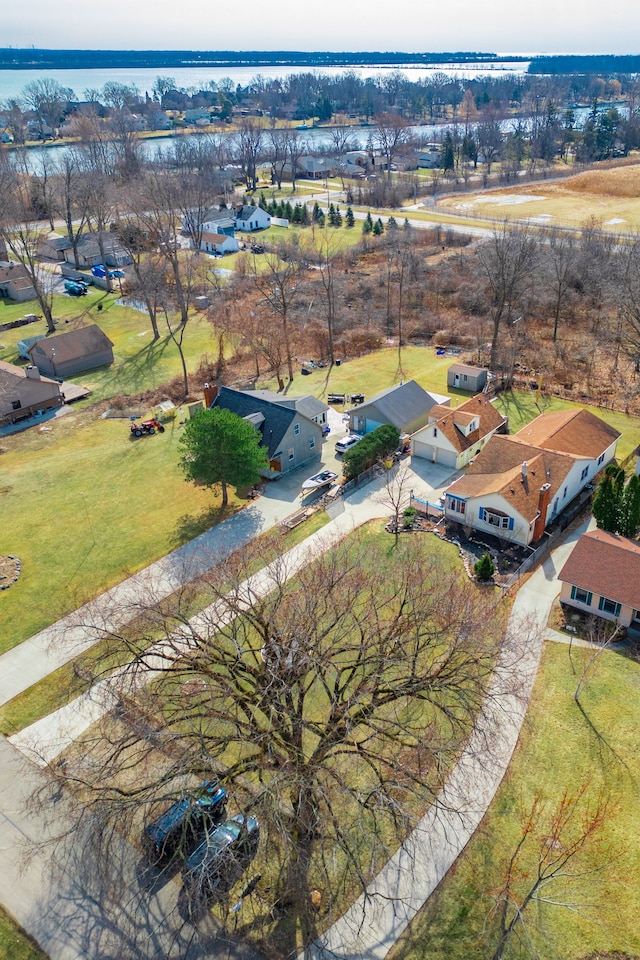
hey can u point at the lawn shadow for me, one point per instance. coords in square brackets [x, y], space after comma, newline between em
[603, 745]
[189, 526]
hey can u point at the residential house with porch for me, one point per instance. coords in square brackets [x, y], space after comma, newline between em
[25, 392]
[602, 578]
[517, 485]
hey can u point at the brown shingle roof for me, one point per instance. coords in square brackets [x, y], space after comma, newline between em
[577, 432]
[8, 370]
[479, 408]
[82, 342]
[605, 564]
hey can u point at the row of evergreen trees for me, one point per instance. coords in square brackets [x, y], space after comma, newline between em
[616, 506]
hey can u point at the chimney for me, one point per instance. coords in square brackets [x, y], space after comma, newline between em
[525, 468]
[543, 505]
[31, 372]
[210, 393]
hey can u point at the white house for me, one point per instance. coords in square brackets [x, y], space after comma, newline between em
[252, 218]
[602, 577]
[212, 242]
[454, 437]
[517, 485]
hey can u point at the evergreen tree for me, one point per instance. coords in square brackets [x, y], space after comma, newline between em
[484, 568]
[629, 519]
[288, 211]
[337, 220]
[392, 223]
[447, 154]
[350, 217]
[407, 225]
[304, 214]
[608, 498]
[332, 215]
[317, 212]
[378, 227]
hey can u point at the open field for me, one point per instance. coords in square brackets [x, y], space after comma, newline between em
[611, 196]
[561, 747]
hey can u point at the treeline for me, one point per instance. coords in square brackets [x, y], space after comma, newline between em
[606, 63]
[17, 59]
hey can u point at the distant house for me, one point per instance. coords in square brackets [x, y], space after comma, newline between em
[429, 158]
[15, 283]
[252, 218]
[218, 243]
[405, 406]
[454, 437]
[311, 168]
[69, 353]
[517, 485]
[602, 577]
[52, 247]
[462, 376]
[90, 255]
[289, 437]
[24, 392]
[213, 220]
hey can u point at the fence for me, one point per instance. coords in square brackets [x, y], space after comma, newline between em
[432, 511]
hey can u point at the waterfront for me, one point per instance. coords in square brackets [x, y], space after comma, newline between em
[12, 82]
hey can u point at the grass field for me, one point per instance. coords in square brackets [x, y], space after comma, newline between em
[14, 943]
[611, 196]
[561, 747]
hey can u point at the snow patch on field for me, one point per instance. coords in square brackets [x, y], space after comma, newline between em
[509, 199]
[612, 223]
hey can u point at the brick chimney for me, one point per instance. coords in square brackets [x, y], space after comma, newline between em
[210, 393]
[543, 505]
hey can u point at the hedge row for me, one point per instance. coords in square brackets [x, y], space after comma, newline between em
[373, 447]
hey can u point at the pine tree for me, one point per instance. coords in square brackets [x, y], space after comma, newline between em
[317, 212]
[629, 518]
[337, 221]
[392, 223]
[484, 568]
[378, 227]
[607, 499]
[350, 217]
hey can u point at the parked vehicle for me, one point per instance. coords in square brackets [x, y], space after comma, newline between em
[74, 288]
[224, 853]
[347, 442]
[100, 271]
[184, 822]
[147, 427]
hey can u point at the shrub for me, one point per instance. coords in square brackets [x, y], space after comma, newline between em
[484, 568]
[373, 447]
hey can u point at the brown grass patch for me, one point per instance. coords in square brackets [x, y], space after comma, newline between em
[618, 182]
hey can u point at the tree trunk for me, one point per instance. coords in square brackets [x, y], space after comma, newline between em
[225, 495]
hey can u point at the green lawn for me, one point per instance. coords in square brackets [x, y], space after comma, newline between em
[14, 943]
[561, 747]
[83, 506]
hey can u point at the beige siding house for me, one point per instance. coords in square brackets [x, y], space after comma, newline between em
[602, 577]
[454, 437]
[24, 392]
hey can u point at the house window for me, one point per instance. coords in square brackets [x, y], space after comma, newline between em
[496, 519]
[15, 404]
[435, 431]
[564, 493]
[291, 453]
[464, 376]
[312, 442]
[582, 596]
[609, 606]
[457, 505]
[584, 473]
[296, 430]
[600, 458]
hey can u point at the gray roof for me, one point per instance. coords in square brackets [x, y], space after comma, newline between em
[400, 405]
[467, 368]
[308, 405]
[277, 418]
[247, 212]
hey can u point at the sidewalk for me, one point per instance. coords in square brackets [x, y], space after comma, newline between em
[370, 928]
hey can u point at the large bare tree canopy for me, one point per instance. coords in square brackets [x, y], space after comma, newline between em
[330, 703]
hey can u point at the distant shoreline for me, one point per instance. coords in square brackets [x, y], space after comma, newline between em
[34, 59]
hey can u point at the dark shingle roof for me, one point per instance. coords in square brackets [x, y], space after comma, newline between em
[277, 418]
[82, 342]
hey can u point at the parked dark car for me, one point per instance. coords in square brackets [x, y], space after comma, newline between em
[223, 854]
[182, 825]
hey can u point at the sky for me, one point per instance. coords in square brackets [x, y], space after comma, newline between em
[546, 26]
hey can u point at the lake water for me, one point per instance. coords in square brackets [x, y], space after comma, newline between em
[13, 81]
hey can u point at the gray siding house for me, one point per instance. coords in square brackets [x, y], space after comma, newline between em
[290, 438]
[462, 376]
[405, 406]
[72, 352]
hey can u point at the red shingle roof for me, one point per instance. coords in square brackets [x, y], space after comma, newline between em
[605, 564]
